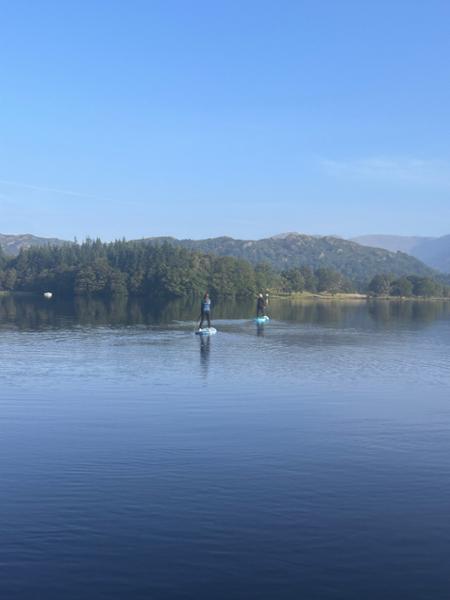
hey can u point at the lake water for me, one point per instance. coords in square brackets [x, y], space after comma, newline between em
[308, 459]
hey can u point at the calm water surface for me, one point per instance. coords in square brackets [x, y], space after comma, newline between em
[308, 459]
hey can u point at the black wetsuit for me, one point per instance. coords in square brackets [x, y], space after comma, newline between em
[260, 307]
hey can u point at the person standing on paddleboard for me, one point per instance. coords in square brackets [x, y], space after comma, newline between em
[260, 306]
[205, 313]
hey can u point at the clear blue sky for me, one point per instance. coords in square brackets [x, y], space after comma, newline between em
[242, 118]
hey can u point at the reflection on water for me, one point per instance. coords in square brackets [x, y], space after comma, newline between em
[32, 312]
[205, 348]
[417, 311]
[259, 329]
[29, 312]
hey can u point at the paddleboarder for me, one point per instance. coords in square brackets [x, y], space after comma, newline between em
[260, 306]
[205, 309]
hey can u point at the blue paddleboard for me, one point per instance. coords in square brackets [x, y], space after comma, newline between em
[261, 320]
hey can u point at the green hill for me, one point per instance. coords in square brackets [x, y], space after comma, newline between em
[354, 261]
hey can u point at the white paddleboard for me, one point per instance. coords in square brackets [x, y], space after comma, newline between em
[206, 331]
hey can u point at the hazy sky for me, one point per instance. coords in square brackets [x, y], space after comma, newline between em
[195, 119]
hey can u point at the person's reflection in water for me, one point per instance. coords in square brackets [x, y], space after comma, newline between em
[259, 329]
[205, 346]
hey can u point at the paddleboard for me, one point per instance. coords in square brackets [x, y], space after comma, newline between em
[261, 320]
[206, 331]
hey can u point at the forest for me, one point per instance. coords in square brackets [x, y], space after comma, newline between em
[95, 268]
[131, 268]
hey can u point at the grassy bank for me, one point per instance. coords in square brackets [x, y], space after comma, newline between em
[409, 298]
[350, 296]
[317, 296]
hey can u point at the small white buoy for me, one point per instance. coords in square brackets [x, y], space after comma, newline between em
[48, 294]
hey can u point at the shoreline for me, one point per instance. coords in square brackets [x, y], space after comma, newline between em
[300, 296]
[354, 296]
[317, 296]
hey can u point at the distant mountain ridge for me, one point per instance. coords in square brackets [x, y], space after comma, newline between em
[435, 252]
[357, 262]
[12, 244]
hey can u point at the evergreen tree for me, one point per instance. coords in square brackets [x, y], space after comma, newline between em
[293, 280]
[402, 287]
[380, 285]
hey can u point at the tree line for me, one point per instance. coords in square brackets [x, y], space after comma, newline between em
[406, 286]
[120, 268]
[95, 268]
